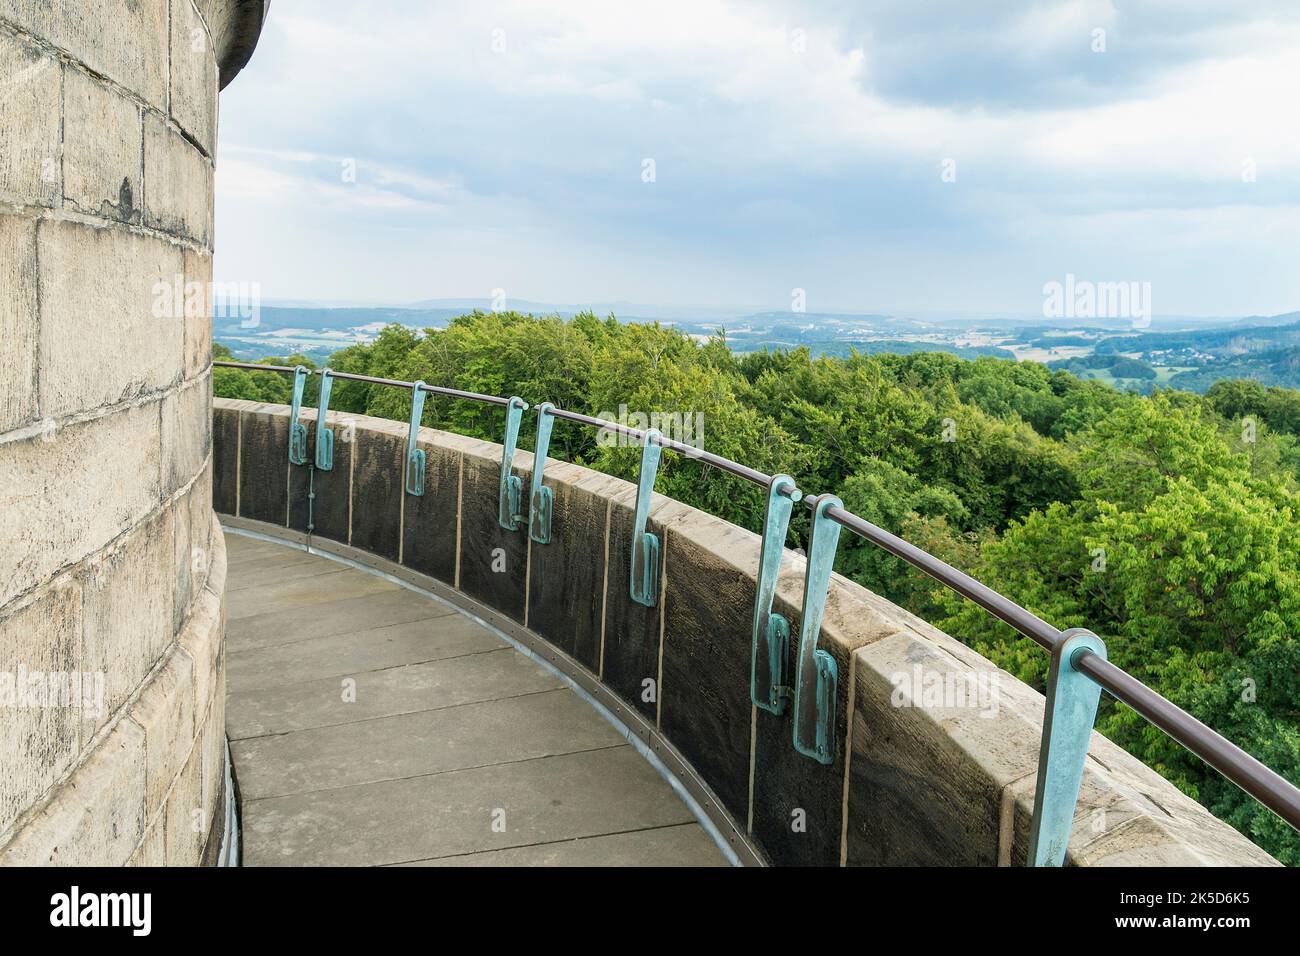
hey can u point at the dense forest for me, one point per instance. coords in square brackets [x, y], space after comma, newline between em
[1169, 524]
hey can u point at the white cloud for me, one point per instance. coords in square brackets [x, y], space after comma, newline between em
[777, 132]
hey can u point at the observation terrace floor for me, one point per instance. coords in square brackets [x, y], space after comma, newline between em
[371, 724]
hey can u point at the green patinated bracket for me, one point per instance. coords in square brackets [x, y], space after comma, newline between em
[1071, 710]
[817, 676]
[768, 687]
[509, 511]
[645, 546]
[324, 436]
[415, 457]
[541, 501]
[297, 430]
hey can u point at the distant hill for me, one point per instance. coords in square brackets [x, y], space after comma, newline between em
[1221, 341]
[307, 317]
[1278, 367]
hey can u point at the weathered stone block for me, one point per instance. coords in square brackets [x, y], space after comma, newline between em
[183, 561]
[19, 330]
[187, 825]
[566, 579]
[630, 655]
[97, 815]
[193, 75]
[152, 850]
[107, 331]
[39, 734]
[198, 316]
[377, 489]
[29, 124]
[193, 512]
[331, 510]
[202, 637]
[913, 733]
[64, 498]
[102, 159]
[264, 465]
[493, 560]
[177, 184]
[798, 802]
[200, 525]
[128, 592]
[165, 711]
[186, 434]
[126, 42]
[213, 742]
[225, 458]
[429, 526]
[708, 606]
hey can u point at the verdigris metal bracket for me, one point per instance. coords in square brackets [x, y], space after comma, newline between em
[540, 500]
[415, 457]
[768, 686]
[645, 546]
[297, 430]
[509, 509]
[817, 676]
[1072, 699]
[324, 436]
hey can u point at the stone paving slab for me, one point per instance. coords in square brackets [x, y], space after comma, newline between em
[328, 618]
[683, 845]
[409, 745]
[489, 675]
[259, 570]
[340, 655]
[337, 585]
[242, 546]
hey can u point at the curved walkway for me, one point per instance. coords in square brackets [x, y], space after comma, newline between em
[372, 725]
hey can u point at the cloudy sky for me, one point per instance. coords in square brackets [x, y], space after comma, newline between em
[883, 156]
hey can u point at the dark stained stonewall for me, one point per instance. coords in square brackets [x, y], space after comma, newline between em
[225, 454]
[485, 546]
[631, 629]
[706, 708]
[785, 781]
[430, 524]
[377, 490]
[897, 757]
[264, 467]
[333, 489]
[567, 576]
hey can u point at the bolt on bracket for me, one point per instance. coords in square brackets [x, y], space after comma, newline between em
[324, 436]
[768, 687]
[415, 457]
[817, 676]
[297, 430]
[541, 501]
[509, 510]
[645, 546]
[1070, 711]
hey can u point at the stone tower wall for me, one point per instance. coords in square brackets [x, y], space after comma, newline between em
[111, 566]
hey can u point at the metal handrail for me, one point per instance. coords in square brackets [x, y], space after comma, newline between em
[1256, 779]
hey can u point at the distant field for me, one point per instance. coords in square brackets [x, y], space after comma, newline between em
[1033, 353]
[1165, 372]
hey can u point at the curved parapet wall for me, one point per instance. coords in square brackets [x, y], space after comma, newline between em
[111, 566]
[936, 749]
